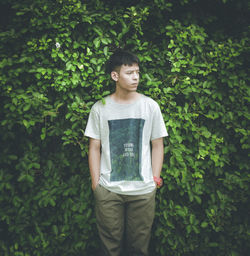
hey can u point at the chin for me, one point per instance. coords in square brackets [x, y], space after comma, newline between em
[133, 90]
[134, 87]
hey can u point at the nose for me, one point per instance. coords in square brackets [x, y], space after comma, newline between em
[135, 76]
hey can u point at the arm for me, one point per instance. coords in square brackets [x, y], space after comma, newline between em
[157, 156]
[94, 161]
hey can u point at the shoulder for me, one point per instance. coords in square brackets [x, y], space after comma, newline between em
[100, 104]
[150, 102]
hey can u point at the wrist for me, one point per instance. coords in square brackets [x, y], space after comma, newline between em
[94, 185]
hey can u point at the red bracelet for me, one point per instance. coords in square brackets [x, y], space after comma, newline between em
[158, 181]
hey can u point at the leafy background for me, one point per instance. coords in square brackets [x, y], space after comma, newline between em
[194, 61]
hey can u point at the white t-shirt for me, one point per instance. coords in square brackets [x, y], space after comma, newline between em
[125, 131]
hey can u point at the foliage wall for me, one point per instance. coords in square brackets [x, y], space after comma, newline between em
[194, 62]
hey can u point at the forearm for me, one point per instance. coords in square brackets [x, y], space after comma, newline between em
[157, 156]
[94, 162]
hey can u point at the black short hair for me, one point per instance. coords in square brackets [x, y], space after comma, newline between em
[119, 58]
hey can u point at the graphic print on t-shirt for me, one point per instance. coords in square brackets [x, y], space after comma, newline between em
[125, 140]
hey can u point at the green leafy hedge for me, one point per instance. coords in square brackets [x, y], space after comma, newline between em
[194, 62]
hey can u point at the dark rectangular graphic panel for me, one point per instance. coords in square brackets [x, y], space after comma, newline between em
[125, 139]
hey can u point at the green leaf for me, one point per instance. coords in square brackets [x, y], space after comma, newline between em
[97, 42]
[26, 123]
[26, 107]
[204, 224]
[55, 230]
[105, 50]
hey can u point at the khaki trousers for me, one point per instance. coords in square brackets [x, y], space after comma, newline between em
[124, 222]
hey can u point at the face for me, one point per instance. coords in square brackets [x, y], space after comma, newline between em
[127, 78]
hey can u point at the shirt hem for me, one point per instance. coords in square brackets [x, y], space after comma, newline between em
[130, 193]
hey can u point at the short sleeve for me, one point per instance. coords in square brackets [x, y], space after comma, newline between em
[93, 125]
[158, 125]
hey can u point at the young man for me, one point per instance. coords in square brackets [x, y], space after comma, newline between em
[125, 160]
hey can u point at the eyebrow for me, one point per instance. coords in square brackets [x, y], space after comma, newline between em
[132, 69]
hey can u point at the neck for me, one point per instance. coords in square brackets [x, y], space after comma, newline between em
[125, 97]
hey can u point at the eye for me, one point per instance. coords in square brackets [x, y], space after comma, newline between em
[131, 72]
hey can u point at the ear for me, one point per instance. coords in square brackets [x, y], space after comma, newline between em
[114, 76]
